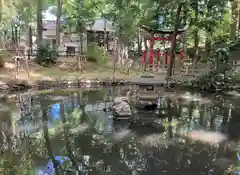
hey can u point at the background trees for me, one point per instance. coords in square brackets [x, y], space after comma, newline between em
[210, 22]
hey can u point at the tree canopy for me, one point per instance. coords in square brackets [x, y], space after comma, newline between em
[210, 22]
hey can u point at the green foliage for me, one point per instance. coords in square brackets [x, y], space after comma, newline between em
[217, 78]
[80, 13]
[76, 113]
[211, 20]
[46, 56]
[209, 81]
[97, 54]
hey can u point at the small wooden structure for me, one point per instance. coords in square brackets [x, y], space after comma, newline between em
[146, 94]
[152, 57]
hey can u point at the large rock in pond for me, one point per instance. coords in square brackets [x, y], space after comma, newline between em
[121, 108]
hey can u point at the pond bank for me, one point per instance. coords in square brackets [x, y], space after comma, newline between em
[27, 83]
[14, 85]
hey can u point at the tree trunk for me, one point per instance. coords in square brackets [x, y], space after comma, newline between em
[1, 11]
[79, 66]
[173, 44]
[27, 48]
[13, 37]
[234, 17]
[26, 27]
[47, 138]
[105, 42]
[30, 38]
[58, 22]
[196, 36]
[237, 18]
[146, 50]
[81, 43]
[125, 55]
[208, 45]
[66, 139]
[201, 115]
[121, 55]
[39, 22]
[116, 57]
[139, 42]
[170, 129]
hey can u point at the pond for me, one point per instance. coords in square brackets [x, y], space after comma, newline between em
[67, 132]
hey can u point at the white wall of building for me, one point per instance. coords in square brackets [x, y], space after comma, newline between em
[50, 33]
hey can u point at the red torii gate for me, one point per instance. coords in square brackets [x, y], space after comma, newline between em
[158, 53]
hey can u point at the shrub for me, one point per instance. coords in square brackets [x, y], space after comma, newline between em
[46, 56]
[96, 54]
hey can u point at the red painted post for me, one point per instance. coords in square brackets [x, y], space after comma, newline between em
[151, 57]
[144, 56]
[151, 51]
[181, 57]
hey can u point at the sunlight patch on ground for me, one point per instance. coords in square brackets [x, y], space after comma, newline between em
[7, 76]
[10, 65]
[33, 76]
[40, 76]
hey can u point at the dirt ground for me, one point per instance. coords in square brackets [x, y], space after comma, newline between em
[91, 71]
[38, 72]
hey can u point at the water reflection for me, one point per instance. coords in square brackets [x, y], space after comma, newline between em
[67, 131]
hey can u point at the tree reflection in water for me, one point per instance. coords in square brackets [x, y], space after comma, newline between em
[150, 145]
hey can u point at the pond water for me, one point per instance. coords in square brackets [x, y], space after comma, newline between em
[67, 132]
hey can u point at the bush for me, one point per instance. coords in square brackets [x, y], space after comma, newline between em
[96, 54]
[46, 56]
[214, 80]
[2, 63]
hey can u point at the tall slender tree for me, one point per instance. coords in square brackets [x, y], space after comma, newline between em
[39, 8]
[58, 21]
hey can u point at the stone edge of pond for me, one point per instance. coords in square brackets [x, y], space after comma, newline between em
[17, 85]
